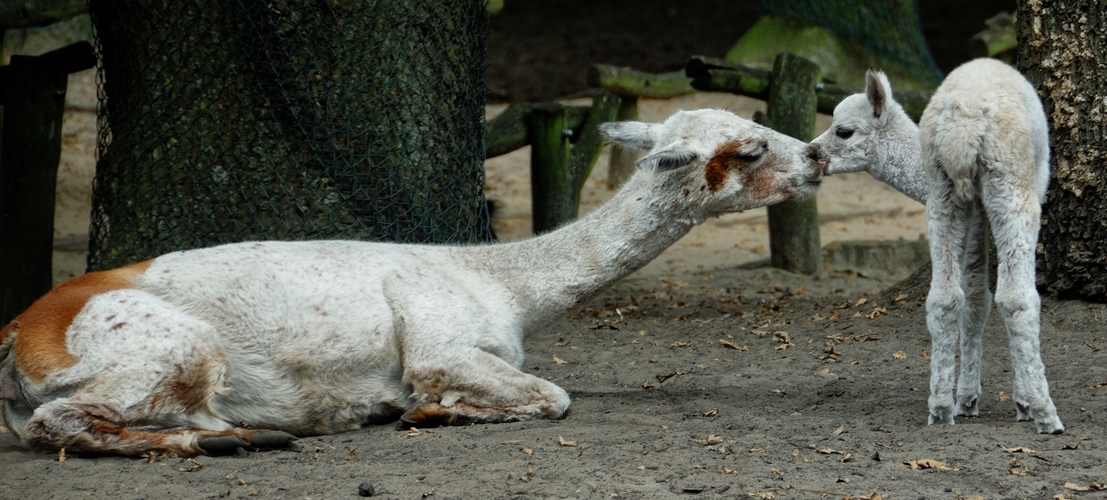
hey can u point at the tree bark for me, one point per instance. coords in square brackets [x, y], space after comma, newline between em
[1063, 52]
[291, 119]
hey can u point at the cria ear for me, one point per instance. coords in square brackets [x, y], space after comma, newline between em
[878, 91]
[675, 155]
[631, 134]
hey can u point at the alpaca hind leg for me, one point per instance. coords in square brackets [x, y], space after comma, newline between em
[948, 228]
[978, 307]
[1015, 221]
[478, 387]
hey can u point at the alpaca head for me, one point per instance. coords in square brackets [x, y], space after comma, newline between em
[717, 162]
[862, 123]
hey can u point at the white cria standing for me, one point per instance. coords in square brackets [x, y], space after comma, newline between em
[979, 159]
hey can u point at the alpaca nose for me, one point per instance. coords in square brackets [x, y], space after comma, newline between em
[813, 155]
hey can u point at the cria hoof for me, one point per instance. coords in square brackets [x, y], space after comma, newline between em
[1050, 426]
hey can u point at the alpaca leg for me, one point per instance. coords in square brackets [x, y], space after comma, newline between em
[144, 382]
[978, 307]
[478, 387]
[948, 227]
[1015, 222]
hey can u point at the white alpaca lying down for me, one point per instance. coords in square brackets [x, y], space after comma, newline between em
[208, 350]
[981, 157]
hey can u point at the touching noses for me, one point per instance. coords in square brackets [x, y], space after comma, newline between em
[813, 155]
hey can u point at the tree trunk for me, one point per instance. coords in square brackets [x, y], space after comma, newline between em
[1063, 53]
[291, 119]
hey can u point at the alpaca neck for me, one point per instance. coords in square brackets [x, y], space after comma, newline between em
[557, 271]
[899, 162]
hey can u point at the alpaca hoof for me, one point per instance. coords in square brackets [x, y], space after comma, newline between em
[969, 407]
[1022, 412]
[425, 415]
[271, 439]
[1050, 426]
[940, 415]
[217, 445]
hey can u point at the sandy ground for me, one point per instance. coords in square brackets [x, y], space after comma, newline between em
[700, 376]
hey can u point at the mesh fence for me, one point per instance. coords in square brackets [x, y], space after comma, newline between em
[889, 28]
[232, 120]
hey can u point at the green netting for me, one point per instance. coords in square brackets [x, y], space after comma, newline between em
[889, 28]
[225, 121]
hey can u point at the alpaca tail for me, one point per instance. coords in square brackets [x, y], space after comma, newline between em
[959, 140]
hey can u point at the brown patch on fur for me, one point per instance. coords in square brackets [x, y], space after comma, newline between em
[193, 387]
[719, 166]
[760, 183]
[39, 346]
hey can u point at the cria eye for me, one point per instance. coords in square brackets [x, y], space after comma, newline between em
[844, 133]
[751, 156]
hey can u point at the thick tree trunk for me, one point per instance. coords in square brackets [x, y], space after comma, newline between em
[1063, 52]
[291, 119]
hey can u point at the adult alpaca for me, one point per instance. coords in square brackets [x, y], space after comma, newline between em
[979, 158]
[249, 344]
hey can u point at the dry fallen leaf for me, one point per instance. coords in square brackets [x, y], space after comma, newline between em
[843, 480]
[861, 301]
[1017, 449]
[900, 298]
[528, 476]
[1097, 386]
[1086, 487]
[925, 463]
[873, 496]
[61, 455]
[413, 432]
[899, 355]
[193, 465]
[727, 470]
[352, 455]
[1070, 446]
[560, 361]
[1002, 396]
[561, 341]
[563, 442]
[839, 430]
[926, 355]
[528, 451]
[711, 413]
[681, 343]
[712, 439]
[732, 345]
[846, 457]
[828, 450]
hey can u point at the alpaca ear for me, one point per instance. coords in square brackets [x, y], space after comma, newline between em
[878, 91]
[675, 155]
[632, 134]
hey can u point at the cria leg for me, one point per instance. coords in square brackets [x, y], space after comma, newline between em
[978, 307]
[1014, 215]
[948, 226]
[479, 387]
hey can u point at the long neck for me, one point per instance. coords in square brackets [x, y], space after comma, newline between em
[554, 272]
[899, 159]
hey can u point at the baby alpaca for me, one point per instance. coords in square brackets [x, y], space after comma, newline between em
[981, 157]
[248, 344]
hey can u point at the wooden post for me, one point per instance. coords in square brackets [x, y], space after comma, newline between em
[33, 107]
[622, 163]
[558, 168]
[550, 153]
[794, 225]
[32, 91]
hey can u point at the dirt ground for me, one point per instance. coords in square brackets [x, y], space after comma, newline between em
[703, 375]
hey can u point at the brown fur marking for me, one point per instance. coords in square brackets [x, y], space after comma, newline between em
[40, 331]
[719, 166]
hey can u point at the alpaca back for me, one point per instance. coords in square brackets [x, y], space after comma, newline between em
[985, 115]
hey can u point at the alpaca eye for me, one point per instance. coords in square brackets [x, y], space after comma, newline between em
[843, 133]
[751, 157]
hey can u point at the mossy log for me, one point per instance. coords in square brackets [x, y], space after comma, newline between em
[15, 14]
[631, 82]
[719, 75]
[508, 130]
